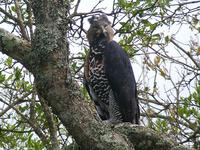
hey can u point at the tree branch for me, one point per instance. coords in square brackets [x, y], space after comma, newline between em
[51, 123]
[144, 138]
[53, 81]
[20, 20]
[8, 15]
[14, 47]
[33, 124]
[13, 104]
[184, 51]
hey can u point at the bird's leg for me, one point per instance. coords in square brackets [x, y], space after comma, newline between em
[92, 93]
[114, 112]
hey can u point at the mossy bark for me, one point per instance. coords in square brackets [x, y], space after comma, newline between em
[47, 58]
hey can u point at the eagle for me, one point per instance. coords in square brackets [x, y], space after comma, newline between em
[108, 75]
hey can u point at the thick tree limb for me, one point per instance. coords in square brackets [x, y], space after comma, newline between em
[48, 61]
[14, 47]
[145, 138]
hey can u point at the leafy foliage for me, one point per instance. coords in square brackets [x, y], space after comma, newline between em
[150, 32]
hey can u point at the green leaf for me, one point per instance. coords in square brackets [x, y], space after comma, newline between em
[17, 73]
[2, 77]
[8, 62]
[166, 39]
[156, 37]
[23, 108]
[153, 26]
[29, 142]
[162, 125]
[27, 86]
[13, 8]
[137, 2]
[146, 22]
[122, 3]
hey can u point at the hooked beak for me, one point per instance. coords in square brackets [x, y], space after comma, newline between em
[103, 28]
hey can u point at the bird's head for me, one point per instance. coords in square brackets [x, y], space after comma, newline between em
[100, 29]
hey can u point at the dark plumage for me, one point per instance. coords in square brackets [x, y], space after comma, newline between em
[108, 75]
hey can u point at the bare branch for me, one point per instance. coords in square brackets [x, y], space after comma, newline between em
[51, 123]
[76, 6]
[20, 21]
[10, 106]
[8, 15]
[187, 53]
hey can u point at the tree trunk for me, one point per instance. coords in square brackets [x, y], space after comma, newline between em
[47, 59]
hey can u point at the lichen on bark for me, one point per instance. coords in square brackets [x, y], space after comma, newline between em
[48, 61]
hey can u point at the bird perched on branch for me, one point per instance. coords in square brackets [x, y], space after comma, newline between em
[108, 75]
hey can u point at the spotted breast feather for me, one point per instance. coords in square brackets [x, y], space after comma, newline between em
[108, 75]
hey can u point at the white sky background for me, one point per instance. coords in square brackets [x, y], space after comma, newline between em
[184, 35]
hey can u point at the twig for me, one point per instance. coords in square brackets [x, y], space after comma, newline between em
[33, 124]
[184, 51]
[51, 123]
[15, 131]
[8, 15]
[20, 21]
[76, 6]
